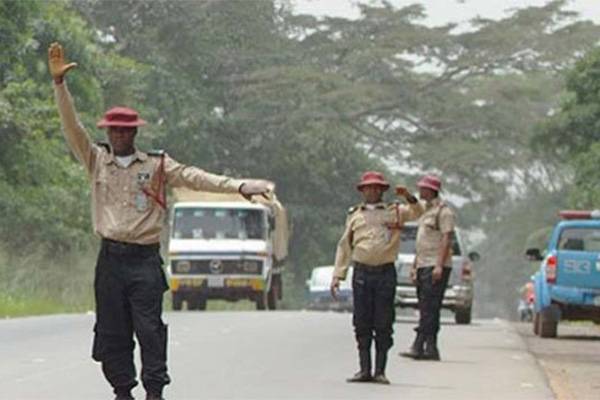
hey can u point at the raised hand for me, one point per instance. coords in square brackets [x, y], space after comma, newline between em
[56, 62]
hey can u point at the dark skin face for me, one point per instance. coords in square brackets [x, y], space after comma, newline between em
[427, 194]
[372, 193]
[122, 140]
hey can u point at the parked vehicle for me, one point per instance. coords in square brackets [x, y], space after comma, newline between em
[222, 246]
[567, 284]
[319, 296]
[459, 294]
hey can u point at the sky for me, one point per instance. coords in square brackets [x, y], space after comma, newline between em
[441, 12]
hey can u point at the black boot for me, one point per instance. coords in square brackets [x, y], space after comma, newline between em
[416, 350]
[431, 350]
[364, 375]
[380, 362]
[123, 393]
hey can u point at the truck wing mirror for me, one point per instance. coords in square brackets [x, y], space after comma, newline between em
[534, 255]
[271, 223]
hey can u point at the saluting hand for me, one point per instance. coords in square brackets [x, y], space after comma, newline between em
[56, 62]
[334, 287]
[401, 191]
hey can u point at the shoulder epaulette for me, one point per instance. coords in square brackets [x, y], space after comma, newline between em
[104, 145]
[352, 209]
[156, 153]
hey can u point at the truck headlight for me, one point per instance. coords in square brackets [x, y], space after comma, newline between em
[182, 267]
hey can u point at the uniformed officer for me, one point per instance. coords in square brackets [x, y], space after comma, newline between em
[370, 243]
[128, 208]
[432, 267]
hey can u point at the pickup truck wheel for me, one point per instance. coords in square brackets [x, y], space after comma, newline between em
[547, 325]
[177, 301]
[462, 316]
[536, 323]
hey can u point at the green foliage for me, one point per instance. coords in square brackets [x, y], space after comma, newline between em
[248, 89]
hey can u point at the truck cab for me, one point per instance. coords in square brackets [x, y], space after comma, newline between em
[224, 247]
[567, 284]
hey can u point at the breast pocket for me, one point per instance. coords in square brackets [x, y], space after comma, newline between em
[102, 188]
[429, 222]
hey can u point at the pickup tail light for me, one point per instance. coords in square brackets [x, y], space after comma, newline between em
[551, 269]
[466, 272]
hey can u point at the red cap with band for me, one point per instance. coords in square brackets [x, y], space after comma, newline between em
[120, 116]
[372, 178]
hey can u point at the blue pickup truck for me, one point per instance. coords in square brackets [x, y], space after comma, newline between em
[567, 285]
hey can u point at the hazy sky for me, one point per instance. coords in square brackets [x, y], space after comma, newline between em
[444, 11]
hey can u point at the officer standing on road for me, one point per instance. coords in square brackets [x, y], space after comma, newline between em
[128, 208]
[370, 243]
[432, 267]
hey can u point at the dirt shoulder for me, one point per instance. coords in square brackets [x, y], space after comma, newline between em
[571, 361]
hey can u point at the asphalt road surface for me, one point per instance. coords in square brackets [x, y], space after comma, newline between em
[276, 355]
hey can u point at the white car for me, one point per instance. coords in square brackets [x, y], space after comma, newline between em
[459, 294]
[319, 295]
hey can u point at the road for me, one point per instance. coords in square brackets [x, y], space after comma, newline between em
[278, 355]
[571, 360]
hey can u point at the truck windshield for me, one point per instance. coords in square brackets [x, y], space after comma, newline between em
[580, 239]
[408, 240]
[218, 223]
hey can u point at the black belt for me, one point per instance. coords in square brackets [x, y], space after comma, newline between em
[373, 269]
[116, 247]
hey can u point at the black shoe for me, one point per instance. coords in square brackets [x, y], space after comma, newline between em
[412, 353]
[360, 377]
[124, 397]
[431, 352]
[154, 397]
[381, 379]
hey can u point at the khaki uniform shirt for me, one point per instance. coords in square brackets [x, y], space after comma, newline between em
[120, 209]
[433, 224]
[368, 238]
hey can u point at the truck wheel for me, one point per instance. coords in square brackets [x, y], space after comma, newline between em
[462, 316]
[547, 325]
[273, 296]
[177, 301]
[261, 301]
[196, 302]
[536, 323]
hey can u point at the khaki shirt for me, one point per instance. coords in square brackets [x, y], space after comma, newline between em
[372, 236]
[120, 209]
[430, 233]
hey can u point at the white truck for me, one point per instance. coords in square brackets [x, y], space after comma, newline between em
[221, 246]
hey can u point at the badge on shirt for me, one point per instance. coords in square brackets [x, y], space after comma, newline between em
[141, 200]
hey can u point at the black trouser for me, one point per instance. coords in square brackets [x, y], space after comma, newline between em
[129, 286]
[374, 289]
[430, 296]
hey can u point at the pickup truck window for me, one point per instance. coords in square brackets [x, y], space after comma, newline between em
[580, 239]
[218, 223]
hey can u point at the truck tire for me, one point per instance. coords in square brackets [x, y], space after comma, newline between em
[261, 301]
[196, 302]
[462, 316]
[273, 295]
[536, 323]
[177, 301]
[548, 326]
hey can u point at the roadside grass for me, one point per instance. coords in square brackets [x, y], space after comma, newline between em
[35, 284]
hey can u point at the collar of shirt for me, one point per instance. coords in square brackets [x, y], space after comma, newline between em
[372, 206]
[434, 203]
[138, 155]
